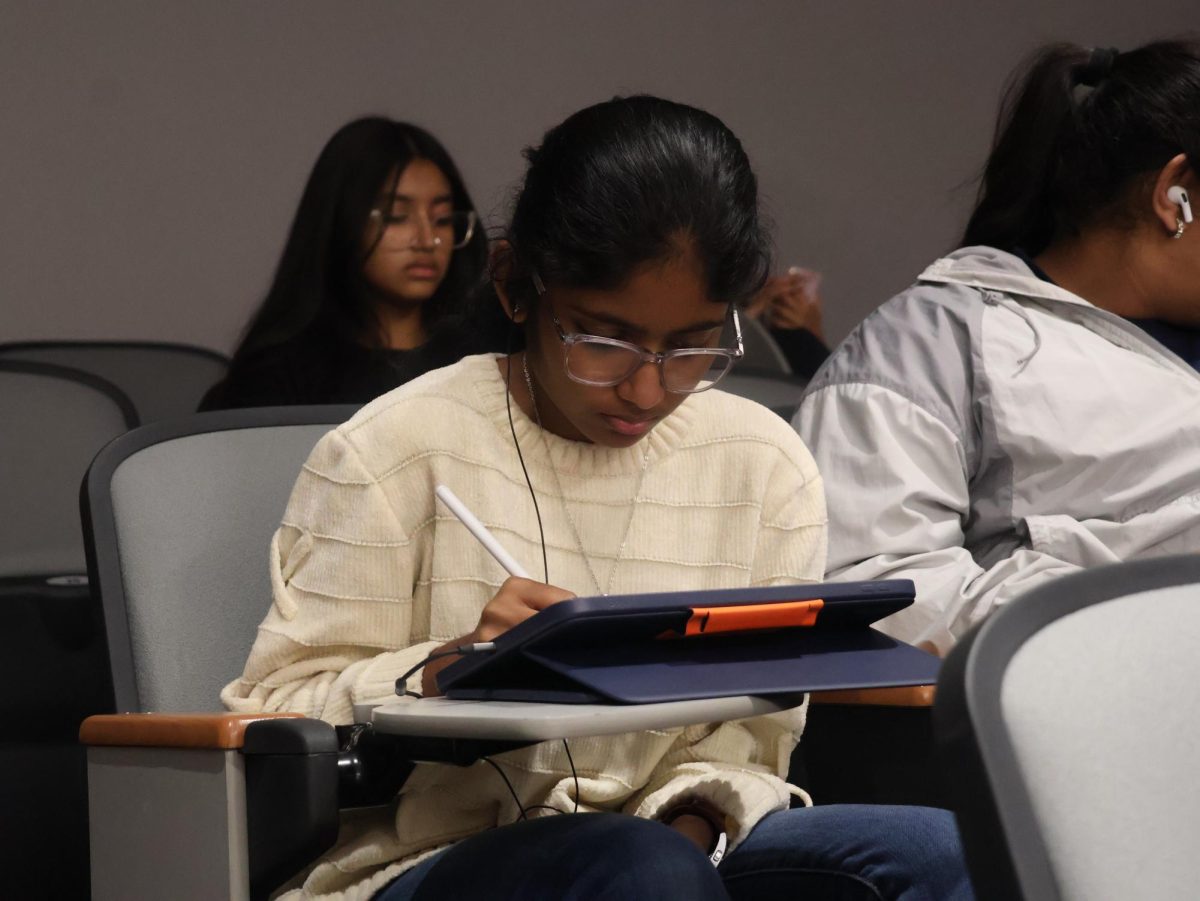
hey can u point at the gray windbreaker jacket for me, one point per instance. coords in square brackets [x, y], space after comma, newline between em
[985, 431]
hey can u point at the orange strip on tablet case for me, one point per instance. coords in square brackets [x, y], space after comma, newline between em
[744, 617]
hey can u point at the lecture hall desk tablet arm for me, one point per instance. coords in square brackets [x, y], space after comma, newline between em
[675, 646]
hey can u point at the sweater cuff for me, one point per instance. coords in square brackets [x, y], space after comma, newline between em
[377, 681]
[743, 797]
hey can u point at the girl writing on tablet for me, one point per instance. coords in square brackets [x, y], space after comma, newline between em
[634, 237]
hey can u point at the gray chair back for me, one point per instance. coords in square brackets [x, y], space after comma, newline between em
[53, 420]
[1069, 728]
[781, 393]
[178, 519]
[162, 379]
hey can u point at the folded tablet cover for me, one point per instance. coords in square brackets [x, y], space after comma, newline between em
[673, 646]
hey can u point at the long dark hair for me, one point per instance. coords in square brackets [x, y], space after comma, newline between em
[1075, 134]
[319, 287]
[632, 180]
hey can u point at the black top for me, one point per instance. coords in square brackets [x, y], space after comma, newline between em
[1182, 341]
[312, 371]
[805, 352]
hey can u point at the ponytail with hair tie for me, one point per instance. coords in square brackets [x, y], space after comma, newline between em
[1064, 159]
[1096, 69]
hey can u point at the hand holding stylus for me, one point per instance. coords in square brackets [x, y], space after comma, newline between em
[516, 601]
[518, 598]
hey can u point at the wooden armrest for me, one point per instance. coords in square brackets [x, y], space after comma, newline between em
[908, 696]
[223, 731]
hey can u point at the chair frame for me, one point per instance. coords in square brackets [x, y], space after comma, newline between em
[13, 350]
[1006, 848]
[195, 349]
[99, 521]
[74, 374]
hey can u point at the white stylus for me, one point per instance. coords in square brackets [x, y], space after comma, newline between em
[479, 530]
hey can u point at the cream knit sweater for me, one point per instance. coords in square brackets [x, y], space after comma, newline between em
[369, 575]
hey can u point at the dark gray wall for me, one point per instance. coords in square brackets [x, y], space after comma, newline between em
[153, 153]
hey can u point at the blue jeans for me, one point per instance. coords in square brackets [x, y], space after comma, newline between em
[833, 853]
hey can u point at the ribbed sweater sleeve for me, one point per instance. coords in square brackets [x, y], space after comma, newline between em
[340, 627]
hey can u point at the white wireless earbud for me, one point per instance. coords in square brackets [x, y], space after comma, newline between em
[1179, 196]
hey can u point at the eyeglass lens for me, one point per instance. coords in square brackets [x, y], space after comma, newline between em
[454, 228]
[599, 363]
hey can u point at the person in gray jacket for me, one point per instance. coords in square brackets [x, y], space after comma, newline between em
[1031, 406]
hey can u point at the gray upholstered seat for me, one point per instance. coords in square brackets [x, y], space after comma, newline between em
[162, 379]
[1069, 722]
[53, 420]
[179, 516]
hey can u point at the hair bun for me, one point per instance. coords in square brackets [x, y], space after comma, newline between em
[1097, 67]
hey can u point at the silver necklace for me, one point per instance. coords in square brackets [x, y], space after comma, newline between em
[537, 417]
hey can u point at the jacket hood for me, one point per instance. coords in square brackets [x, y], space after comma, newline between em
[990, 269]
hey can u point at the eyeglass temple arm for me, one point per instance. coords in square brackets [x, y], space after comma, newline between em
[472, 221]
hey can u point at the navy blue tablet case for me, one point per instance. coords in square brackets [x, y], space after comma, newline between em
[629, 649]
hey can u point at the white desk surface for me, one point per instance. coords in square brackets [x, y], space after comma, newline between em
[528, 721]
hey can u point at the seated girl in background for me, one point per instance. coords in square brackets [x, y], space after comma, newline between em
[634, 236]
[1031, 406]
[375, 282]
[789, 305]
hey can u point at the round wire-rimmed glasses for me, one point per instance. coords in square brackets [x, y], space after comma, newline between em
[454, 228]
[604, 362]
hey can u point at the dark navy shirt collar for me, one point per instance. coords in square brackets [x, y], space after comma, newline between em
[1183, 342]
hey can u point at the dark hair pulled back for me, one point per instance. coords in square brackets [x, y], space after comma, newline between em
[1076, 132]
[634, 180]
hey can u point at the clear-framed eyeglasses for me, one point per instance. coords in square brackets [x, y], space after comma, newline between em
[455, 229]
[604, 362]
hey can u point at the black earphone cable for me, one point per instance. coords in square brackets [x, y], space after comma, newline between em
[545, 574]
[512, 791]
[479, 647]
[521, 457]
[516, 800]
[574, 774]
